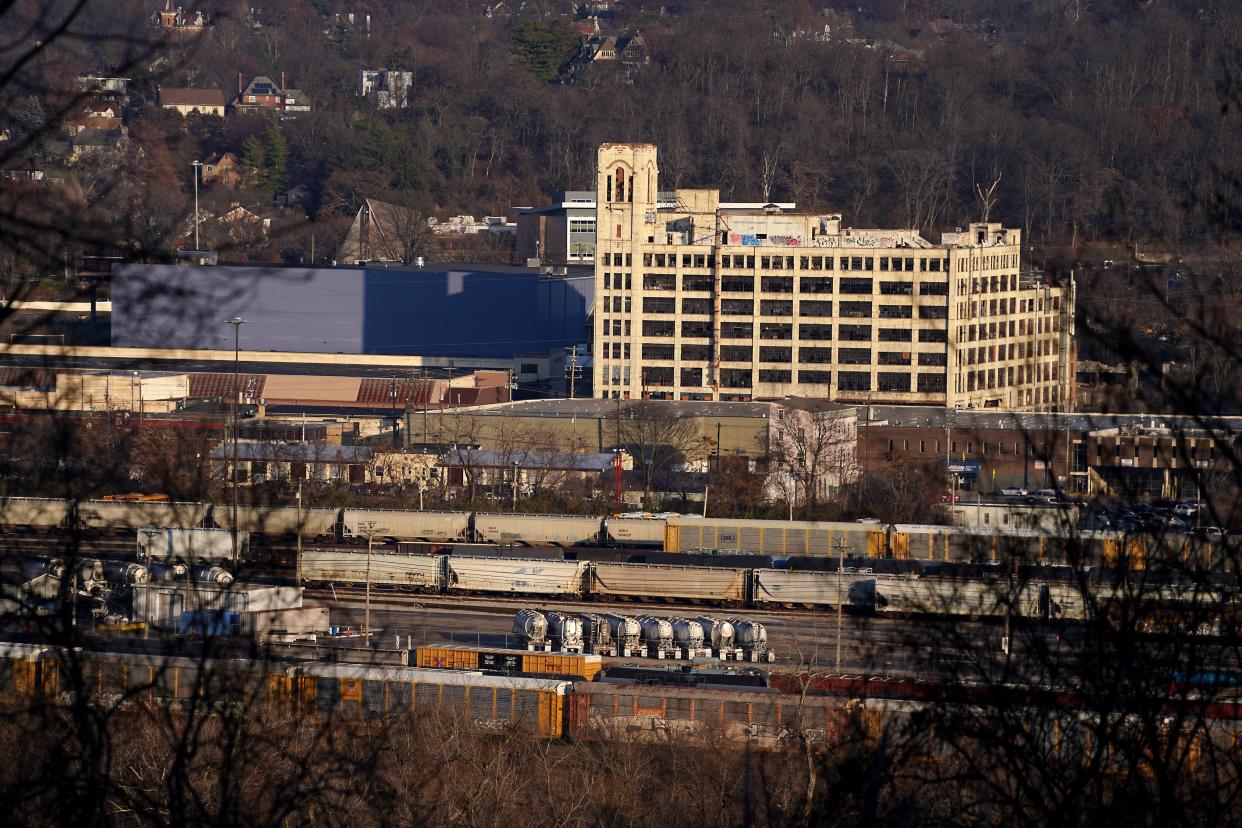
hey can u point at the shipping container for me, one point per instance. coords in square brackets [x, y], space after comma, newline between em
[535, 530]
[513, 575]
[334, 566]
[699, 583]
[510, 662]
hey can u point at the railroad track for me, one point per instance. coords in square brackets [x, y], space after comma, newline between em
[507, 606]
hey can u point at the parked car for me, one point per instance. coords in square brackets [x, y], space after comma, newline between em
[1185, 509]
[1045, 495]
[1013, 491]
[950, 497]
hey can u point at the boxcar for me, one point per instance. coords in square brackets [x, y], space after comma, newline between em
[327, 566]
[510, 662]
[353, 691]
[406, 525]
[775, 537]
[512, 575]
[636, 532]
[968, 543]
[534, 530]
[763, 719]
[698, 583]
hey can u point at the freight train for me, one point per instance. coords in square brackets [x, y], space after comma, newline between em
[555, 709]
[1041, 593]
[669, 533]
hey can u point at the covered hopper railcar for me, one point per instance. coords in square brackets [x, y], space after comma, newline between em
[657, 582]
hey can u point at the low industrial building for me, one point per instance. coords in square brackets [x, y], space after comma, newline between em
[527, 472]
[457, 312]
[1127, 455]
[263, 462]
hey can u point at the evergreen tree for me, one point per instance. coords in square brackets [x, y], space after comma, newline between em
[543, 48]
[277, 156]
[254, 158]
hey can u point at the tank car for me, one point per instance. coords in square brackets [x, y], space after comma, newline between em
[596, 634]
[717, 634]
[32, 568]
[530, 626]
[626, 633]
[564, 630]
[120, 572]
[752, 637]
[657, 636]
[164, 572]
[211, 575]
[688, 635]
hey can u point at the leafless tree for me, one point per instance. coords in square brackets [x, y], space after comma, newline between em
[656, 437]
[812, 453]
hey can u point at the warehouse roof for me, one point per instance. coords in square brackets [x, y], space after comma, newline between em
[532, 459]
[293, 452]
[914, 416]
[609, 408]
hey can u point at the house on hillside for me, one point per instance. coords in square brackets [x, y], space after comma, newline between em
[179, 22]
[94, 115]
[223, 170]
[386, 88]
[96, 142]
[262, 94]
[185, 100]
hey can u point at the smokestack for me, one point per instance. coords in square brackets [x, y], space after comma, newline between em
[282, 80]
[239, 83]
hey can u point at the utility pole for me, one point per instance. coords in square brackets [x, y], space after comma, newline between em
[515, 484]
[299, 570]
[393, 394]
[197, 165]
[840, 547]
[236, 322]
[571, 371]
[369, 528]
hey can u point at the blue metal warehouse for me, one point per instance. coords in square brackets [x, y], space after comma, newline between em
[446, 310]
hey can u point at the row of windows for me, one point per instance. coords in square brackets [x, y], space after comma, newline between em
[768, 307]
[999, 353]
[782, 354]
[745, 330]
[775, 284]
[990, 378]
[891, 381]
[884, 264]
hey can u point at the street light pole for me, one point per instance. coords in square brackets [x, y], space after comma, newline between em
[197, 165]
[236, 322]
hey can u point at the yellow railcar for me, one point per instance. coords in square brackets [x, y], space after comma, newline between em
[511, 662]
